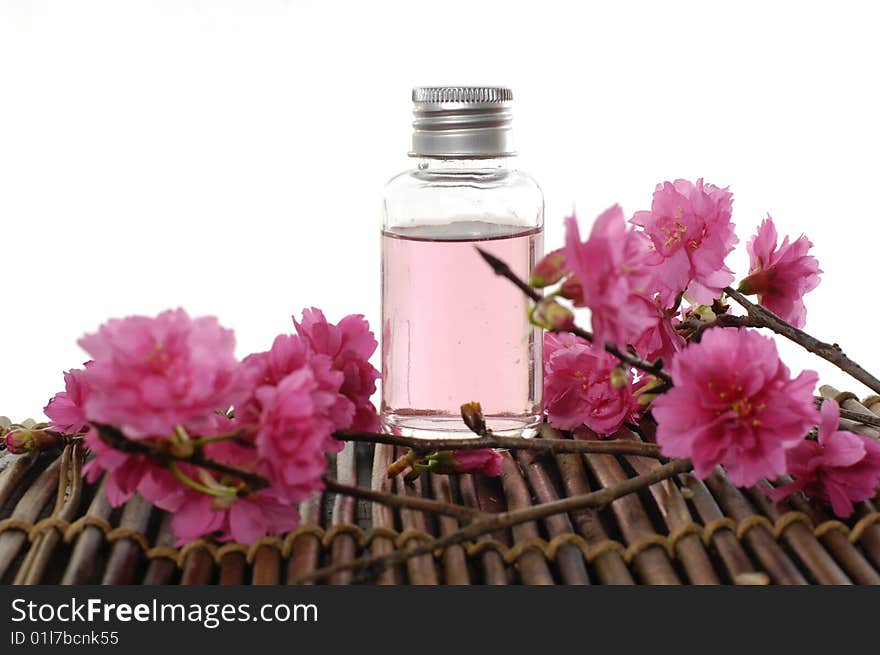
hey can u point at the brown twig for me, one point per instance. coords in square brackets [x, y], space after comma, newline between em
[508, 519]
[697, 328]
[607, 447]
[400, 501]
[114, 438]
[654, 368]
[827, 351]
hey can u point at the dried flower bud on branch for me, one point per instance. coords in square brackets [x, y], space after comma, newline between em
[21, 440]
[485, 461]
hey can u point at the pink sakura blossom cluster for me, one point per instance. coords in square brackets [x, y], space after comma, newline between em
[174, 382]
[838, 467]
[633, 275]
[584, 385]
[732, 401]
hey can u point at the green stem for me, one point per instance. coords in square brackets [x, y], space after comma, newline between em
[204, 441]
[225, 492]
[114, 438]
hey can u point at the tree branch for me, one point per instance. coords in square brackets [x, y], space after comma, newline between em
[114, 438]
[401, 501]
[492, 522]
[608, 447]
[654, 368]
[697, 328]
[830, 352]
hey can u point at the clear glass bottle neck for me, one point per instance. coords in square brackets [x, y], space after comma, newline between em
[450, 165]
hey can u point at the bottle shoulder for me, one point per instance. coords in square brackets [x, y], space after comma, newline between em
[488, 179]
[499, 195]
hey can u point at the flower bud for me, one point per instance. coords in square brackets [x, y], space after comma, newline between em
[549, 270]
[550, 315]
[757, 282]
[647, 390]
[21, 440]
[472, 414]
[484, 460]
[619, 377]
[402, 463]
[573, 290]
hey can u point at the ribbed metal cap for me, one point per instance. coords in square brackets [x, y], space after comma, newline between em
[462, 122]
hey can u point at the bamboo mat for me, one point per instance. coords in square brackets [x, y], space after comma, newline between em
[54, 528]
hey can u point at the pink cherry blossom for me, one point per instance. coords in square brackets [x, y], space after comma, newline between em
[149, 375]
[196, 515]
[291, 353]
[660, 339]
[734, 403]
[269, 511]
[168, 380]
[256, 516]
[241, 518]
[349, 344]
[781, 275]
[66, 409]
[839, 468]
[611, 267]
[578, 386]
[294, 433]
[125, 471]
[485, 461]
[245, 520]
[690, 228]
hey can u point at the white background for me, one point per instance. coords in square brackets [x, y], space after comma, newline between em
[229, 157]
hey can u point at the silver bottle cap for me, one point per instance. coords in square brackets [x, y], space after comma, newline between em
[462, 122]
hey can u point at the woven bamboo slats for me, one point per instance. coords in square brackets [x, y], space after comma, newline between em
[54, 528]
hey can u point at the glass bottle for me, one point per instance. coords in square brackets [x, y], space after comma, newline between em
[452, 331]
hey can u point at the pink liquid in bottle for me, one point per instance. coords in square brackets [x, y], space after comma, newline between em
[454, 332]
